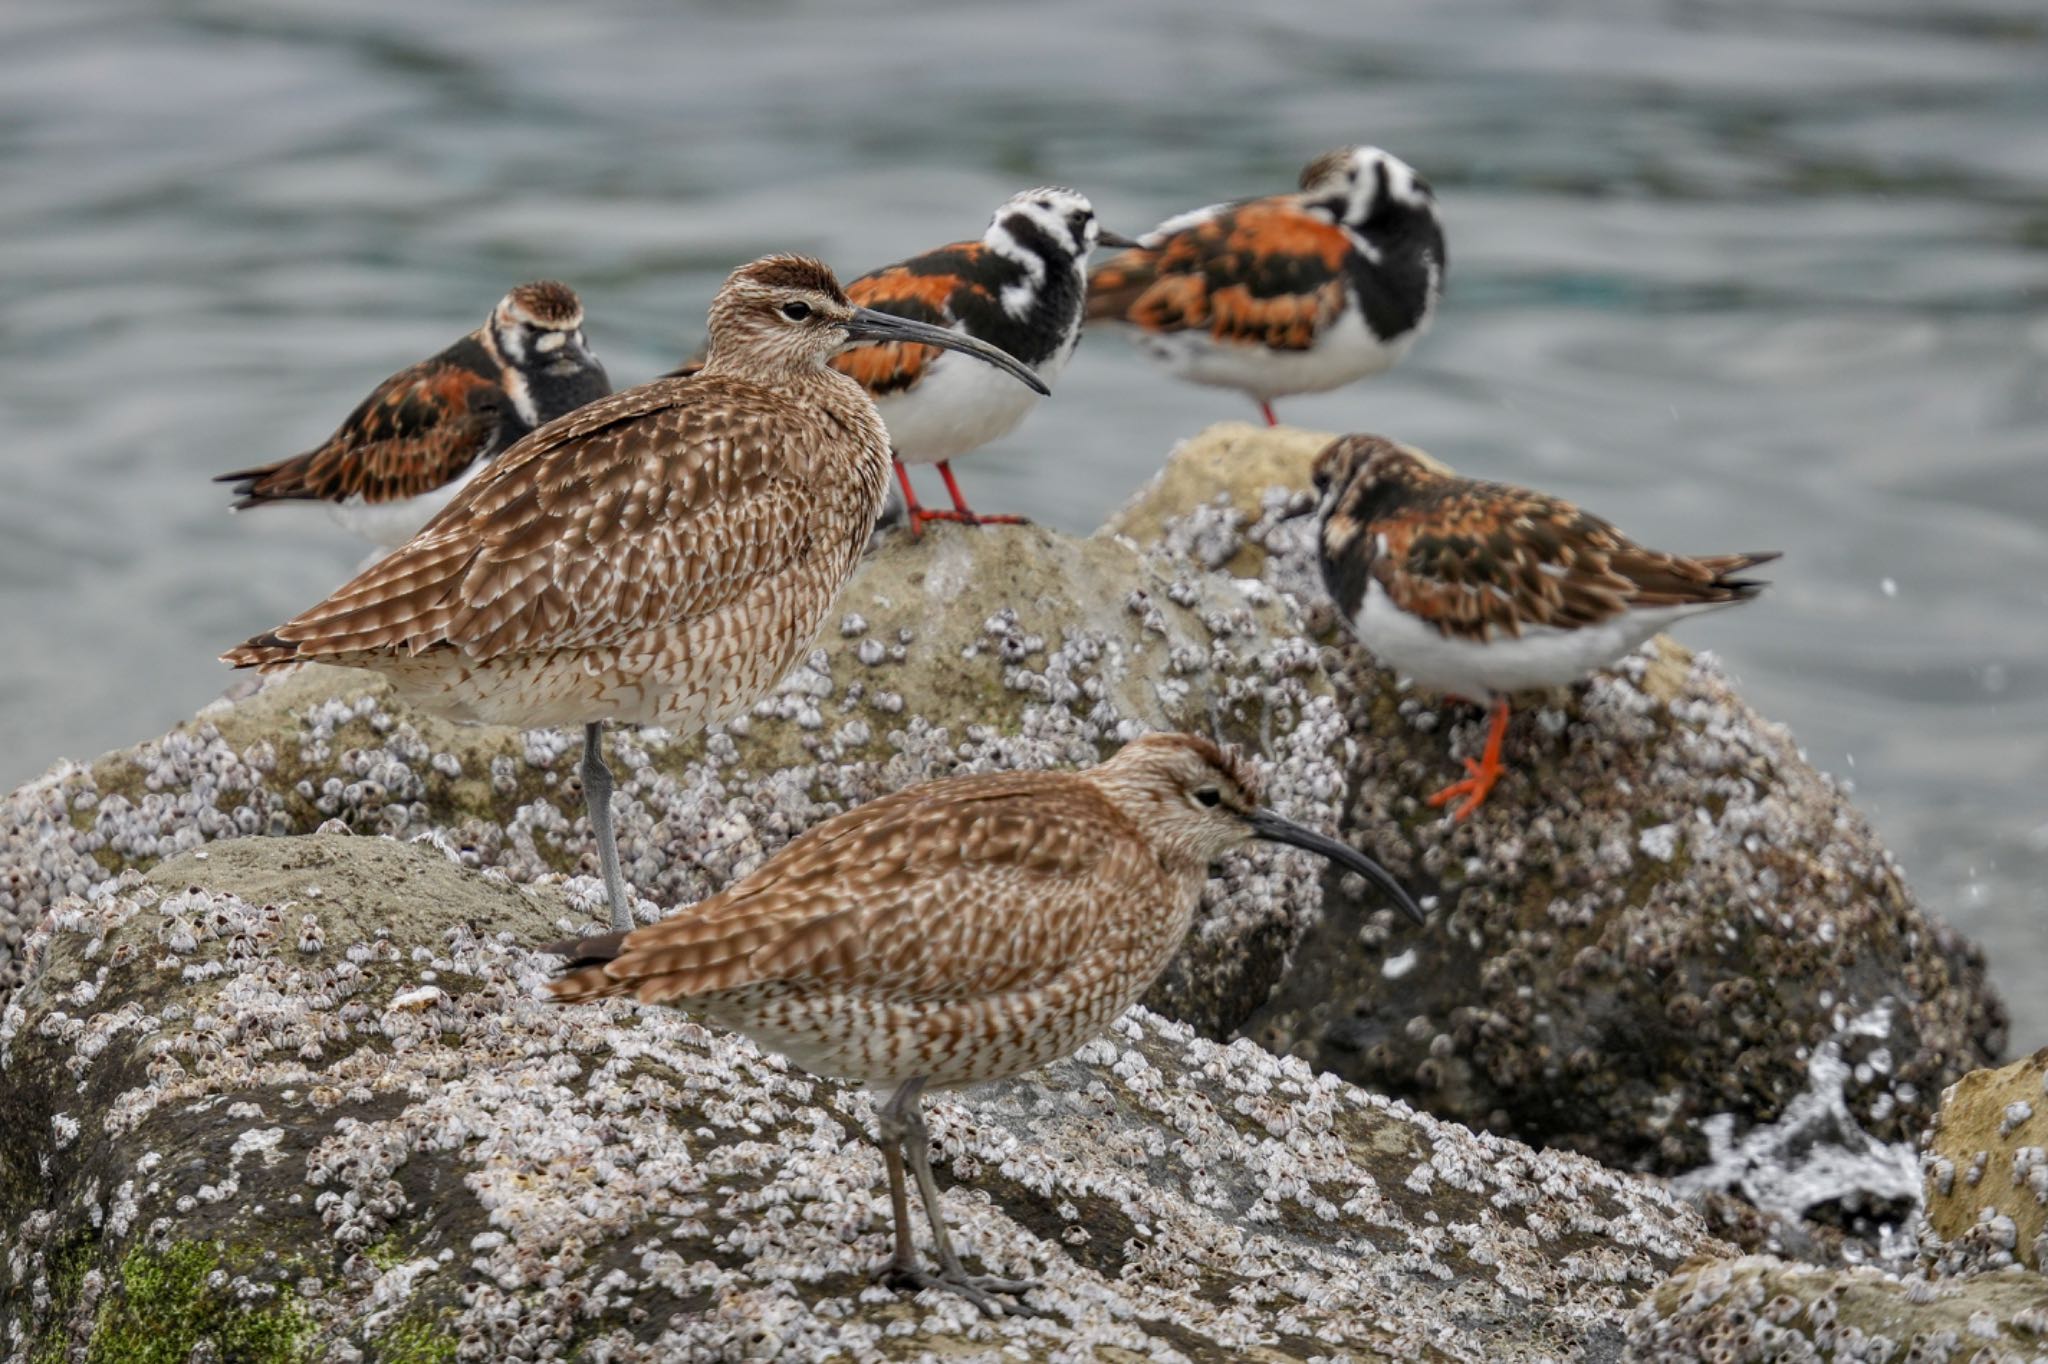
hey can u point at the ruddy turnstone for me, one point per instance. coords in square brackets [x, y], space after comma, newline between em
[661, 556]
[1297, 293]
[1479, 590]
[960, 931]
[1020, 287]
[404, 452]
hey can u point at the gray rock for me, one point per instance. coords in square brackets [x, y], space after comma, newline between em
[295, 1099]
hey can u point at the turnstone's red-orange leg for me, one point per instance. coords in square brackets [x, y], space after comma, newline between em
[961, 512]
[911, 506]
[1481, 775]
[1267, 408]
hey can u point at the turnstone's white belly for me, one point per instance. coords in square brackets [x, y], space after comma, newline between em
[1540, 658]
[1346, 352]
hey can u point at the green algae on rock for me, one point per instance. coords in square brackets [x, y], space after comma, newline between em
[329, 1047]
[1658, 918]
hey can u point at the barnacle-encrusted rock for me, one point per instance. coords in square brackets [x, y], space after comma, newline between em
[1756, 1308]
[1643, 937]
[1986, 1166]
[304, 1087]
[969, 650]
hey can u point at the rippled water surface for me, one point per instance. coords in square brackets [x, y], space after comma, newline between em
[1736, 275]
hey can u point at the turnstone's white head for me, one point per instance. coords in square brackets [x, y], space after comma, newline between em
[1356, 184]
[536, 334]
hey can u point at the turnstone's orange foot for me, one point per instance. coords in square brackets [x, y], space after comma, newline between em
[425, 431]
[1010, 917]
[1485, 589]
[1293, 293]
[1480, 775]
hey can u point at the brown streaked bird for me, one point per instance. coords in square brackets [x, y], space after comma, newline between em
[1479, 590]
[1020, 286]
[409, 447]
[661, 556]
[1295, 293]
[956, 932]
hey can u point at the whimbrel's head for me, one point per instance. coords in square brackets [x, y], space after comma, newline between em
[1357, 185]
[784, 315]
[539, 326]
[1195, 801]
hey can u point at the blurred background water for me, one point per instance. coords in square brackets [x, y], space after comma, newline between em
[1736, 275]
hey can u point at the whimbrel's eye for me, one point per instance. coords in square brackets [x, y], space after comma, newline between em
[1209, 796]
[796, 312]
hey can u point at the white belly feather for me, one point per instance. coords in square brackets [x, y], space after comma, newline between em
[961, 405]
[1541, 658]
[1346, 352]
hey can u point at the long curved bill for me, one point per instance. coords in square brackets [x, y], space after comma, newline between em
[1271, 827]
[869, 325]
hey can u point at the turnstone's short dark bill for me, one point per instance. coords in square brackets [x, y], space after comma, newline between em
[1297, 293]
[423, 432]
[1479, 590]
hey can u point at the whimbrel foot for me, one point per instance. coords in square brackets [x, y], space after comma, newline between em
[979, 1289]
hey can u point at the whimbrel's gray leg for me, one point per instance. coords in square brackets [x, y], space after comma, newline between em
[597, 797]
[889, 1134]
[916, 1139]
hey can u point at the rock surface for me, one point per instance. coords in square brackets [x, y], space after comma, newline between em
[1987, 1165]
[1666, 942]
[297, 1094]
[1757, 1308]
[1646, 934]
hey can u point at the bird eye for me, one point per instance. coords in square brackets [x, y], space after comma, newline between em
[796, 312]
[1209, 796]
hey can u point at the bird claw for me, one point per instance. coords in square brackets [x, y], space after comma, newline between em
[962, 518]
[979, 1289]
[1475, 788]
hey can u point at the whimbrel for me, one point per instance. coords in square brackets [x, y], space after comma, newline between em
[408, 448]
[661, 556]
[1479, 589]
[959, 931]
[1297, 293]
